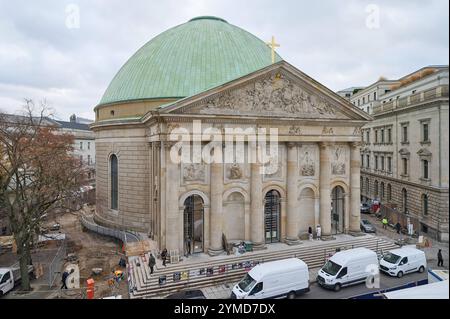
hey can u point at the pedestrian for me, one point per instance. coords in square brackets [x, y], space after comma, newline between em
[63, 279]
[440, 259]
[385, 222]
[164, 256]
[310, 232]
[65, 275]
[398, 227]
[151, 263]
[188, 244]
[318, 232]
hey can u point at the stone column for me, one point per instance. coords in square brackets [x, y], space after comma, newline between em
[216, 217]
[292, 202]
[173, 219]
[256, 204]
[355, 193]
[324, 189]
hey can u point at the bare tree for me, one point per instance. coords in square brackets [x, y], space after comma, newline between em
[37, 173]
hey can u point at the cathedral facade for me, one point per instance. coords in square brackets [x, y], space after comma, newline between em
[158, 172]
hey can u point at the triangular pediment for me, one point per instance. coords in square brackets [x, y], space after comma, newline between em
[277, 91]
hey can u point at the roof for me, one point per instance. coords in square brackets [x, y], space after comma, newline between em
[343, 256]
[74, 125]
[188, 59]
[436, 290]
[277, 266]
[404, 251]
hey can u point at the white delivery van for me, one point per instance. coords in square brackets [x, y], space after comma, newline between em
[402, 261]
[10, 277]
[347, 268]
[275, 279]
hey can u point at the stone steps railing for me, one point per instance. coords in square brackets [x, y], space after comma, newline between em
[142, 285]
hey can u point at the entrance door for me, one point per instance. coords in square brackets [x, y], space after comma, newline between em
[272, 209]
[337, 210]
[193, 224]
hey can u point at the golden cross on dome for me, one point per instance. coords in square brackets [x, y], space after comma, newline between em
[272, 44]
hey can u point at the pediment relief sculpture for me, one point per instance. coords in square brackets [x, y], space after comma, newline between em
[270, 96]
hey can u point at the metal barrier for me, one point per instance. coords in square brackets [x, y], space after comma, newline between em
[54, 269]
[124, 236]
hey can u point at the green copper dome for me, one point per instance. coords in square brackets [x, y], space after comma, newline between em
[188, 59]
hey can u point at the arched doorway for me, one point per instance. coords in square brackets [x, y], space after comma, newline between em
[272, 213]
[193, 224]
[337, 210]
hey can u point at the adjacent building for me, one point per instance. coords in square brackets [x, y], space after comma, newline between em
[84, 141]
[404, 156]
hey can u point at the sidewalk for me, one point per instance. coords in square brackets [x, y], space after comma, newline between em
[430, 252]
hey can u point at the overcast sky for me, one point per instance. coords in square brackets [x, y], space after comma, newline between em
[47, 52]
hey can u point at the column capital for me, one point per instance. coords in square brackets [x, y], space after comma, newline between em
[325, 145]
[355, 144]
[291, 145]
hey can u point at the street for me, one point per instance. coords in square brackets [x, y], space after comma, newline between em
[318, 292]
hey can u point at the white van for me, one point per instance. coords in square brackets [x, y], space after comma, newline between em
[347, 268]
[275, 279]
[402, 261]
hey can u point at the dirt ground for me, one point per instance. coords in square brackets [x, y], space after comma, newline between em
[92, 251]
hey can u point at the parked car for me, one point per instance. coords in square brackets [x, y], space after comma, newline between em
[402, 261]
[187, 294]
[365, 208]
[347, 268]
[10, 277]
[367, 226]
[275, 279]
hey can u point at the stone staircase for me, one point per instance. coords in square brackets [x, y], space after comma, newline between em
[232, 268]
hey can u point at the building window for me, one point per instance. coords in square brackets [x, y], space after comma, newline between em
[376, 189]
[389, 192]
[382, 135]
[425, 132]
[405, 133]
[89, 159]
[81, 159]
[376, 136]
[367, 186]
[362, 161]
[376, 162]
[389, 164]
[114, 181]
[425, 169]
[405, 166]
[368, 161]
[382, 163]
[364, 100]
[404, 200]
[81, 145]
[368, 136]
[374, 96]
[382, 191]
[425, 204]
[89, 145]
[389, 135]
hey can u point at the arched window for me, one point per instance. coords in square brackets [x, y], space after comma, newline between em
[382, 191]
[114, 181]
[367, 187]
[361, 184]
[405, 200]
[425, 204]
[389, 192]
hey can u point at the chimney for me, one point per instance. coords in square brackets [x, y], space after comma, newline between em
[73, 118]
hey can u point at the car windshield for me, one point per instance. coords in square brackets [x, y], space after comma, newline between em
[365, 222]
[391, 258]
[331, 268]
[247, 283]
